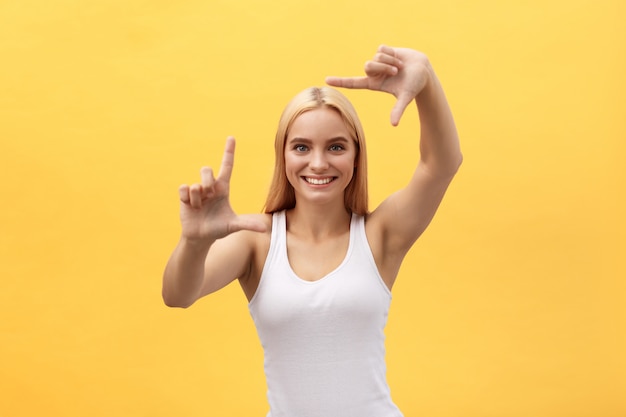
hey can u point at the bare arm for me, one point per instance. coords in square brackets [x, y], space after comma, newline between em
[210, 254]
[408, 212]
[408, 75]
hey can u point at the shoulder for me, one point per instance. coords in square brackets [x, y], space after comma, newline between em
[259, 242]
[263, 217]
[374, 230]
[259, 245]
[243, 246]
[388, 258]
[255, 238]
[392, 227]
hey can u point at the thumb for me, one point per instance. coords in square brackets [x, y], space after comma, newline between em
[247, 222]
[398, 109]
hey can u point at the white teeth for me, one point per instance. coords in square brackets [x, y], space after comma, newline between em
[316, 181]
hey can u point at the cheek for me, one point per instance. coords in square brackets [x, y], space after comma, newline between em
[292, 166]
[290, 163]
[352, 163]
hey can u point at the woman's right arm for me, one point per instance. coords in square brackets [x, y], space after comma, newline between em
[209, 254]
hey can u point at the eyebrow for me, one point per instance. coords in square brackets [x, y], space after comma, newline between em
[305, 140]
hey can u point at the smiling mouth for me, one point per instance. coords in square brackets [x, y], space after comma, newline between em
[319, 181]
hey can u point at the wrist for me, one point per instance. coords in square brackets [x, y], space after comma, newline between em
[195, 244]
[430, 81]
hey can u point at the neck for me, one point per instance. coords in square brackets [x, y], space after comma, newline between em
[318, 222]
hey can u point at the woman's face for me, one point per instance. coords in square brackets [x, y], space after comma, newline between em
[319, 156]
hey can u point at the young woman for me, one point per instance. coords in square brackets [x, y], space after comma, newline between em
[318, 267]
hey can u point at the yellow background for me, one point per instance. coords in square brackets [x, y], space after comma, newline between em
[511, 305]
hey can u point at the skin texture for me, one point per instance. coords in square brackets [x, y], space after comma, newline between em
[218, 246]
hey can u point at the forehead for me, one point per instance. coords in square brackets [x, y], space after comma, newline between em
[321, 122]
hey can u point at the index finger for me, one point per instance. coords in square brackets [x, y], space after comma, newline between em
[348, 82]
[228, 160]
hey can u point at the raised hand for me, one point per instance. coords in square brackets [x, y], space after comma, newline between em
[399, 71]
[205, 211]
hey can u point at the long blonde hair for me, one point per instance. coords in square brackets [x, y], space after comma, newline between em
[281, 195]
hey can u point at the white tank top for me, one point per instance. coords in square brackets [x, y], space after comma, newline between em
[323, 340]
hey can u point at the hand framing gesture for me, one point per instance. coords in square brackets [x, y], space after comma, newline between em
[399, 71]
[205, 211]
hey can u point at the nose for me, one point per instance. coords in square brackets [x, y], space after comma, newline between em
[318, 161]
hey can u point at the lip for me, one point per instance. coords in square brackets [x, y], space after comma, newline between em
[320, 181]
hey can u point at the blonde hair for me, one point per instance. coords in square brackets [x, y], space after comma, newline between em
[281, 195]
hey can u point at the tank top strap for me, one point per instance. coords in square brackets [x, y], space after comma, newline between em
[279, 229]
[276, 255]
[357, 233]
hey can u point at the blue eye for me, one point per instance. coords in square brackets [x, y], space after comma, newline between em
[336, 147]
[300, 148]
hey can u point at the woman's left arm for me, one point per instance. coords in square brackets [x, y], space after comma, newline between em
[408, 75]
